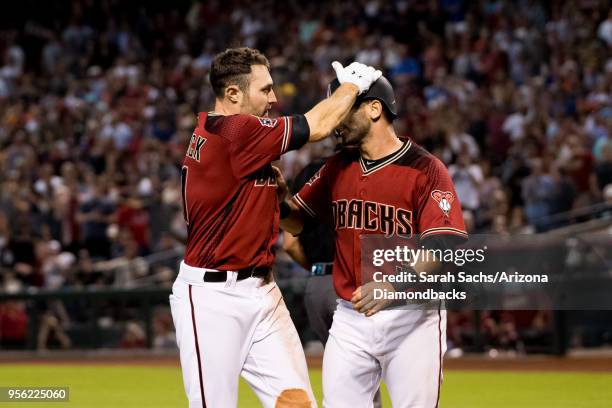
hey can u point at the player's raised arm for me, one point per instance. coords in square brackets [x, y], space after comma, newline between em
[324, 117]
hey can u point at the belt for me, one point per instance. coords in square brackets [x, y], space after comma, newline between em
[321, 268]
[221, 276]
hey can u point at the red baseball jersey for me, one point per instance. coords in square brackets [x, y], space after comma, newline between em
[407, 193]
[229, 189]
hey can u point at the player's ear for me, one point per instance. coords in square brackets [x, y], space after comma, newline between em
[375, 110]
[233, 93]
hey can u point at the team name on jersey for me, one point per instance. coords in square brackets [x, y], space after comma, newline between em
[372, 216]
[195, 144]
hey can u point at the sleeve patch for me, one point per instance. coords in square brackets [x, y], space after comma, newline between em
[444, 200]
[315, 176]
[268, 122]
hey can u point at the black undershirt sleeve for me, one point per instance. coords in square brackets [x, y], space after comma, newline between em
[300, 132]
[442, 241]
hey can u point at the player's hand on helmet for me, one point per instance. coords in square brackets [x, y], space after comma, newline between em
[281, 184]
[364, 301]
[360, 75]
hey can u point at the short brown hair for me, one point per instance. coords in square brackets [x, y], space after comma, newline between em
[232, 66]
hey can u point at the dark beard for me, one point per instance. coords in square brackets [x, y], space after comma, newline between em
[356, 141]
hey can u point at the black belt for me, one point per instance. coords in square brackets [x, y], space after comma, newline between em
[221, 276]
[321, 268]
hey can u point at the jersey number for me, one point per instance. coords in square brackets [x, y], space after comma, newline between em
[184, 170]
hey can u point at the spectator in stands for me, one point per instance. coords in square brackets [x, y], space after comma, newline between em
[5, 237]
[607, 196]
[52, 329]
[94, 216]
[460, 331]
[577, 161]
[537, 191]
[467, 178]
[539, 332]
[563, 192]
[603, 141]
[604, 32]
[133, 336]
[13, 323]
[164, 336]
[500, 332]
[133, 216]
[603, 168]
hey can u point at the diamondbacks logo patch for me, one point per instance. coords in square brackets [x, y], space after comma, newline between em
[444, 200]
[315, 176]
[267, 122]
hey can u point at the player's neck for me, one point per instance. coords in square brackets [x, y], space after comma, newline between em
[226, 109]
[380, 143]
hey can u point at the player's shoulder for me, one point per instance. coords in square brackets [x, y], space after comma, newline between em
[418, 158]
[230, 125]
[215, 123]
[256, 121]
[328, 165]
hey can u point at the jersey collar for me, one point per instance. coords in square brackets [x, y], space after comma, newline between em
[203, 117]
[379, 164]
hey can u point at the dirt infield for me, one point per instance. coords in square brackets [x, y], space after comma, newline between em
[588, 363]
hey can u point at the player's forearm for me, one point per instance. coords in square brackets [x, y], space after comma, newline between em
[428, 266]
[293, 223]
[324, 117]
[431, 266]
[292, 246]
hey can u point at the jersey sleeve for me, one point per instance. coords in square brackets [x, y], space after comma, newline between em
[314, 198]
[439, 210]
[259, 141]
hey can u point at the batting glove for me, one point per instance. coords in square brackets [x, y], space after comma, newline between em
[360, 75]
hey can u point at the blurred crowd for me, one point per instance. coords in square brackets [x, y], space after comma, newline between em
[98, 99]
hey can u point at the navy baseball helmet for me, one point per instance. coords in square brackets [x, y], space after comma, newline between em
[381, 90]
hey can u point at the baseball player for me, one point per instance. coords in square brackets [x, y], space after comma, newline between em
[379, 184]
[229, 315]
[314, 251]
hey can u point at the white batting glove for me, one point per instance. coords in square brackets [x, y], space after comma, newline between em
[360, 75]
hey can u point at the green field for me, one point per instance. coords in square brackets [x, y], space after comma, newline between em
[151, 387]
